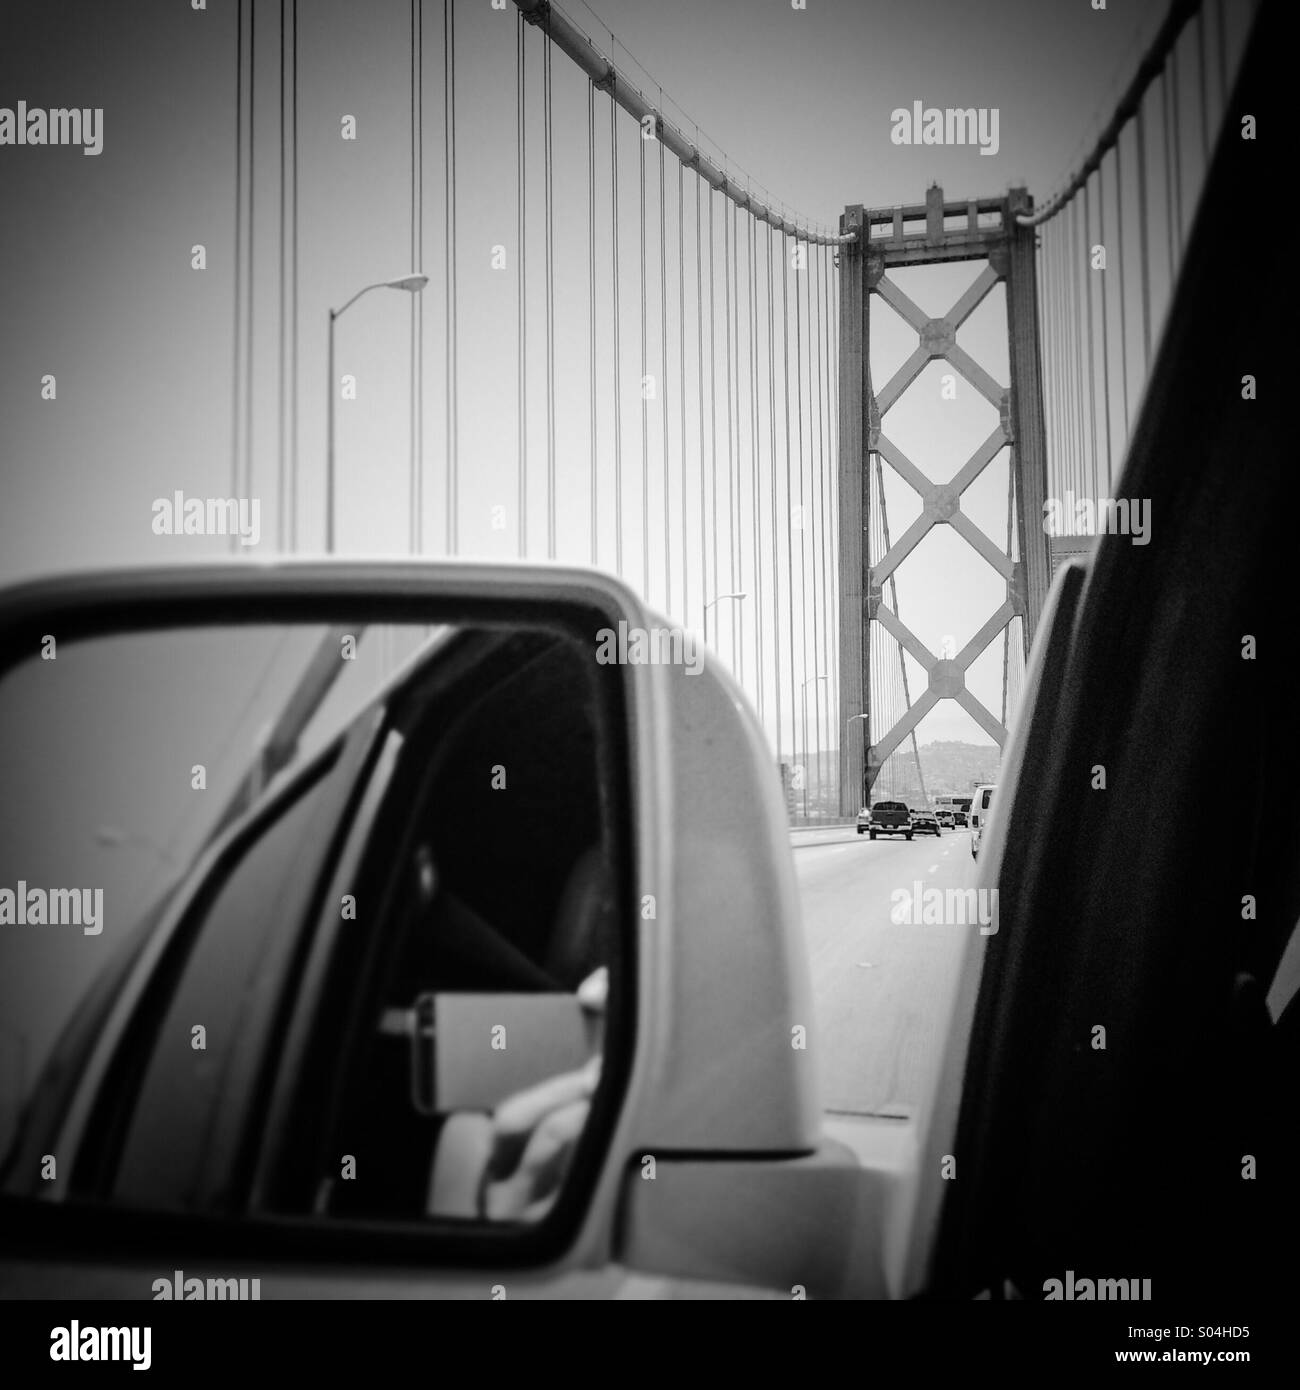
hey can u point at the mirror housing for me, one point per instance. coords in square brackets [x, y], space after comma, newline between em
[719, 1056]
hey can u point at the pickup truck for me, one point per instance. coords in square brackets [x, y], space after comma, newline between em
[886, 818]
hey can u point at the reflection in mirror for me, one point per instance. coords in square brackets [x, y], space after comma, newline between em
[307, 920]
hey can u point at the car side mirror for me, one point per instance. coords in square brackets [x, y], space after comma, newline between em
[351, 893]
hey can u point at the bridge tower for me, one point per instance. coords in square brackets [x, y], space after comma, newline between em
[885, 238]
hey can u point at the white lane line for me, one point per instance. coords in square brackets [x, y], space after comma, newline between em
[932, 868]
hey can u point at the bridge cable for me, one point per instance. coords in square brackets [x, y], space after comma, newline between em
[681, 388]
[1092, 352]
[824, 486]
[1143, 238]
[618, 356]
[1166, 136]
[1178, 147]
[789, 520]
[449, 161]
[251, 247]
[1105, 326]
[1123, 299]
[829, 647]
[521, 278]
[800, 277]
[755, 460]
[237, 336]
[594, 446]
[728, 225]
[771, 423]
[713, 410]
[645, 404]
[548, 169]
[416, 527]
[293, 291]
[699, 376]
[663, 383]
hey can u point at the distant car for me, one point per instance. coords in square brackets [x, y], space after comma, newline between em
[979, 811]
[925, 823]
[960, 818]
[886, 818]
[944, 818]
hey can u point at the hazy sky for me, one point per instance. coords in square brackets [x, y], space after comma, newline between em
[97, 288]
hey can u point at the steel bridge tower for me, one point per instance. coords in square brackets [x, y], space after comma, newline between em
[885, 238]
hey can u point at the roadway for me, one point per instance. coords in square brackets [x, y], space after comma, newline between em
[877, 985]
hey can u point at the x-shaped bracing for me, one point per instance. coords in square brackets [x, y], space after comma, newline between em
[941, 502]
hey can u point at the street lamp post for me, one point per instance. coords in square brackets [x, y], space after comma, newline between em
[412, 284]
[804, 693]
[739, 597]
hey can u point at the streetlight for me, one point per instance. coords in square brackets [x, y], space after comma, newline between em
[862, 780]
[710, 604]
[804, 693]
[412, 284]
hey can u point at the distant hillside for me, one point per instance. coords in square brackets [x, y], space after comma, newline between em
[953, 766]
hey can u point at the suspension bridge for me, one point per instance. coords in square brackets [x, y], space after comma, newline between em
[709, 394]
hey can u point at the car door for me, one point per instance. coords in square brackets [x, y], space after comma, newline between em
[1122, 1113]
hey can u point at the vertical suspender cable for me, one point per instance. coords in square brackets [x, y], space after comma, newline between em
[449, 162]
[281, 510]
[237, 334]
[755, 482]
[728, 210]
[699, 374]
[776, 545]
[823, 545]
[1143, 238]
[663, 384]
[247, 487]
[618, 357]
[713, 409]
[416, 527]
[681, 380]
[293, 295]
[1166, 136]
[548, 162]
[1178, 144]
[521, 276]
[799, 279]
[1092, 352]
[1070, 376]
[645, 404]
[1123, 305]
[789, 533]
[591, 321]
[1105, 329]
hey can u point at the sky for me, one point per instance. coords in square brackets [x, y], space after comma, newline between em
[161, 386]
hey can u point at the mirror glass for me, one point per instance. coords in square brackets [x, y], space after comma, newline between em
[307, 920]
